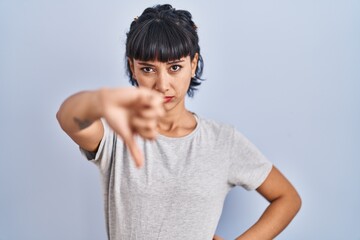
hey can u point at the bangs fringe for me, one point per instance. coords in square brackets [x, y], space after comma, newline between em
[161, 41]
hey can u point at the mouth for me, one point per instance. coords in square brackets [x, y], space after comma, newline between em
[168, 99]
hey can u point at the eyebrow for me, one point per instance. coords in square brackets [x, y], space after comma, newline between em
[151, 65]
[176, 61]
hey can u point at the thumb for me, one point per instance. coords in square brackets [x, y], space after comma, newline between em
[122, 128]
[134, 150]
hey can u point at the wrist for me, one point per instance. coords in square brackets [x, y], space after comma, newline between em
[98, 100]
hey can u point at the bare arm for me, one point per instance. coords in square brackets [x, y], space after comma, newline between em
[284, 205]
[128, 111]
[79, 116]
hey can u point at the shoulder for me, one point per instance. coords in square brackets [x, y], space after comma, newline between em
[221, 131]
[215, 127]
[211, 123]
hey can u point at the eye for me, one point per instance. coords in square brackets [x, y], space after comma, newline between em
[175, 68]
[147, 69]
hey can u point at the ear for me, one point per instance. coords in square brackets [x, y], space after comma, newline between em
[194, 63]
[131, 64]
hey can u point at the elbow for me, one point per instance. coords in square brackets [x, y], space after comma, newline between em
[293, 202]
[59, 118]
[298, 202]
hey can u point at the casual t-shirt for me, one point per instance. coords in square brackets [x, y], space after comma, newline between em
[180, 190]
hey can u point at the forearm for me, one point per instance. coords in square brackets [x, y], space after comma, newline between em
[275, 218]
[79, 111]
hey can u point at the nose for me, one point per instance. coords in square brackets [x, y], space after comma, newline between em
[162, 83]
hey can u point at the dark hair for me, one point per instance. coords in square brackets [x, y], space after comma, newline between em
[163, 33]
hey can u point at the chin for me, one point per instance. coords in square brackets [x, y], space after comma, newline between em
[170, 106]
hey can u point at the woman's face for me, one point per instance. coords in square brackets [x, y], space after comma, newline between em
[172, 78]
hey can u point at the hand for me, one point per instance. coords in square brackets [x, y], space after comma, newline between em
[216, 237]
[130, 112]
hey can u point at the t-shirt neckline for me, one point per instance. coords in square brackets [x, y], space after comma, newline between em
[166, 138]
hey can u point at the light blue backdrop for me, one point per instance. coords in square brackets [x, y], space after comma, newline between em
[285, 73]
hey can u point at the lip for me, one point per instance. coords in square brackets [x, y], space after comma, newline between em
[168, 99]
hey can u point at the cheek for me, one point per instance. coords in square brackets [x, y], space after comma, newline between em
[143, 81]
[188, 76]
[183, 81]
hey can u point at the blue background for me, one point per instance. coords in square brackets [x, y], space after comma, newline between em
[285, 73]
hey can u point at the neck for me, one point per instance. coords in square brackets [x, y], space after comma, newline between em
[172, 120]
[176, 123]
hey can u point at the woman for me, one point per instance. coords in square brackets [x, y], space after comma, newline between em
[165, 170]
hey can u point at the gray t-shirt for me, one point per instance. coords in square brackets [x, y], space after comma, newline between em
[179, 192]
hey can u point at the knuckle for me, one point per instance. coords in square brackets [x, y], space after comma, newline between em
[150, 125]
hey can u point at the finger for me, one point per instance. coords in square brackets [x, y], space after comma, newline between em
[145, 95]
[160, 108]
[138, 123]
[216, 237]
[150, 98]
[122, 128]
[148, 113]
[132, 146]
[149, 134]
[135, 151]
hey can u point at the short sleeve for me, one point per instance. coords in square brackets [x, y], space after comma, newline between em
[248, 166]
[106, 148]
